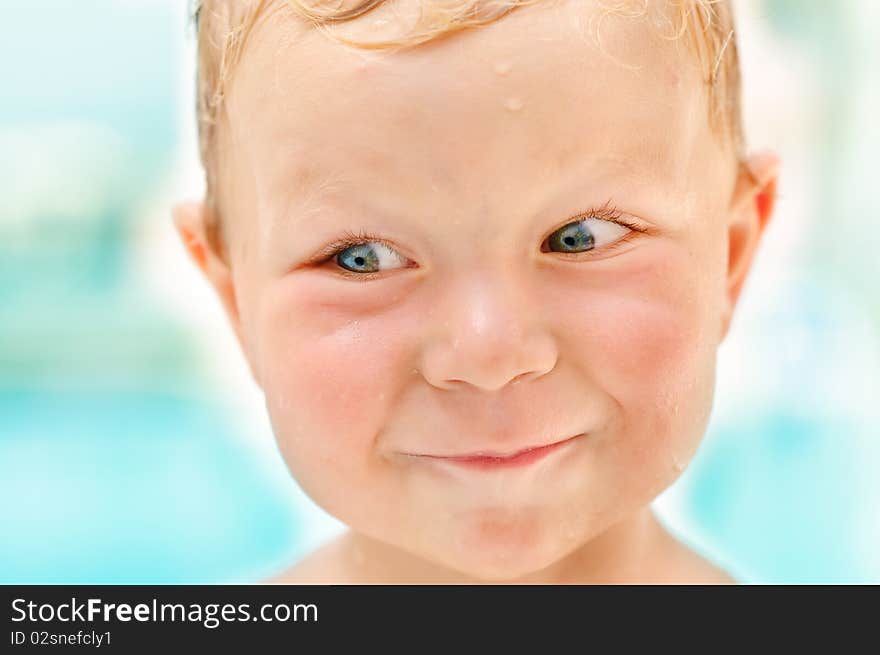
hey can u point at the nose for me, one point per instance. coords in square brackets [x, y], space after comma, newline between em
[488, 335]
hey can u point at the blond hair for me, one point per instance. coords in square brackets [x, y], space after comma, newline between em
[223, 27]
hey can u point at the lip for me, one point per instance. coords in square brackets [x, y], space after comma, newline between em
[492, 461]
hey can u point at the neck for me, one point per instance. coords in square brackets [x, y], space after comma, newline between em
[631, 551]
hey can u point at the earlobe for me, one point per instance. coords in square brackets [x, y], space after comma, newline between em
[189, 220]
[751, 208]
[192, 221]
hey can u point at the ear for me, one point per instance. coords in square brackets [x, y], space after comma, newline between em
[192, 221]
[751, 207]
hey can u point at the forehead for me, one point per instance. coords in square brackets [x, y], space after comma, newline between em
[517, 101]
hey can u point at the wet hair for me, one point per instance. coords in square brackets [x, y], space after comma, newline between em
[223, 26]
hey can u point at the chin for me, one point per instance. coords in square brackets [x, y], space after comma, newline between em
[502, 564]
[502, 551]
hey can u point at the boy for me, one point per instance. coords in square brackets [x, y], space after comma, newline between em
[481, 278]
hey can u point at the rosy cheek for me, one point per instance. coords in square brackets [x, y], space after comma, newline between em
[325, 382]
[644, 339]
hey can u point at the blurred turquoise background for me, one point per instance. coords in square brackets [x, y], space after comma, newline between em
[134, 447]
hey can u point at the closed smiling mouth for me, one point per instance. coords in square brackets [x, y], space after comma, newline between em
[492, 460]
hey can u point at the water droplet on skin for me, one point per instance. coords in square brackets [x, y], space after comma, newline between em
[502, 67]
[682, 455]
[677, 464]
[513, 104]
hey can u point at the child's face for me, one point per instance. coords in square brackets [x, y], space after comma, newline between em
[480, 333]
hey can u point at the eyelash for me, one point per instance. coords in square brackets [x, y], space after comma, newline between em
[606, 212]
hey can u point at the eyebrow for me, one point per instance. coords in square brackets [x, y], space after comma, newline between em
[309, 186]
[306, 188]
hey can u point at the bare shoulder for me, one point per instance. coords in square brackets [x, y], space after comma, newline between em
[690, 568]
[696, 569]
[683, 565]
[321, 566]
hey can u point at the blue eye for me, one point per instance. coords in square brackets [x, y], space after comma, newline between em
[574, 237]
[363, 254]
[586, 234]
[368, 257]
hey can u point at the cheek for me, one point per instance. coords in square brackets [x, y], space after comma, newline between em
[647, 338]
[326, 384]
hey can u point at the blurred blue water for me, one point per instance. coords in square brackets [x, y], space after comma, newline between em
[780, 497]
[113, 466]
[132, 488]
[786, 487]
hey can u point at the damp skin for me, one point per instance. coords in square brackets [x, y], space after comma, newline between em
[513, 104]
[503, 67]
[464, 158]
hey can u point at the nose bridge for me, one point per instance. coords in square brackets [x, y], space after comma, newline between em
[489, 333]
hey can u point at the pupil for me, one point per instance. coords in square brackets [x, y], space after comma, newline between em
[359, 261]
[569, 240]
